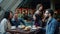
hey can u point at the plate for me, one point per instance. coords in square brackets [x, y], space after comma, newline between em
[13, 27]
[34, 28]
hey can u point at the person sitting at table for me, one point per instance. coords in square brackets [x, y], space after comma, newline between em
[6, 22]
[17, 21]
[25, 15]
[28, 21]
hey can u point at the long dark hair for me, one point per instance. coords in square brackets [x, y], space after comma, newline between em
[7, 15]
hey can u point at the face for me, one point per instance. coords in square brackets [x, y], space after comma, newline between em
[46, 14]
[15, 16]
[40, 8]
[11, 15]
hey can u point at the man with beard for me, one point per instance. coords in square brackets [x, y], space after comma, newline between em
[52, 23]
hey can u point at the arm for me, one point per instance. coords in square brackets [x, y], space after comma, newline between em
[53, 27]
[21, 20]
[2, 26]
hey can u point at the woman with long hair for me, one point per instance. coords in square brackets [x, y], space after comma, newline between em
[5, 23]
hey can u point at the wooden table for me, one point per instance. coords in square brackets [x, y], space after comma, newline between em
[20, 31]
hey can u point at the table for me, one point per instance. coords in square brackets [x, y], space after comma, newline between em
[20, 31]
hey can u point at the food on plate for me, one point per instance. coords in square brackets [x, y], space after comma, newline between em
[21, 26]
[27, 28]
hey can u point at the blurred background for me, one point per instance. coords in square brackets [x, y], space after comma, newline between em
[29, 6]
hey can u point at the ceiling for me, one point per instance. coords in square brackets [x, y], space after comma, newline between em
[32, 3]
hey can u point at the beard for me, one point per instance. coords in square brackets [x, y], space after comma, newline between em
[47, 17]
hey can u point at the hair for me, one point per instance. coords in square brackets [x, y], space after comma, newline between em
[50, 11]
[38, 6]
[7, 14]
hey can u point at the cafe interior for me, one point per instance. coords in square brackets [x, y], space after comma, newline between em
[29, 16]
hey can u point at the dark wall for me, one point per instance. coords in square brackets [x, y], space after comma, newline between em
[33, 3]
[57, 4]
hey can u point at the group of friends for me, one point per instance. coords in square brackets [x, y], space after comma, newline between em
[42, 18]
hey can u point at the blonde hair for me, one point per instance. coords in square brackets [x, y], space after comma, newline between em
[38, 6]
